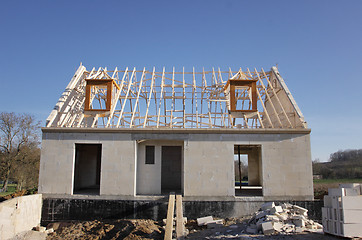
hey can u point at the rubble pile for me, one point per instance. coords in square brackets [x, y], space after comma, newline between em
[283, 219]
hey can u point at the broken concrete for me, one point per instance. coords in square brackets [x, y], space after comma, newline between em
[286, 218]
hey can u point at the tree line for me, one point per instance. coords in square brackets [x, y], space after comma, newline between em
[19, 150]
[342, 164]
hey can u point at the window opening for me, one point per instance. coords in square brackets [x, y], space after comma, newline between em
[150, 155]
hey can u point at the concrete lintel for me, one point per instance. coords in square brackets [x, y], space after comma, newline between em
[177, 130]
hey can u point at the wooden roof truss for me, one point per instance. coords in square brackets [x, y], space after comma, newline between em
[133, 98]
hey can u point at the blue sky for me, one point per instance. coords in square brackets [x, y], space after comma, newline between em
[316, 44]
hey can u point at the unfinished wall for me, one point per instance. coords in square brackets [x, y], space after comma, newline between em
[149, 175]
[19, 214]
[209, 167]
[285, 171]
[118, 163]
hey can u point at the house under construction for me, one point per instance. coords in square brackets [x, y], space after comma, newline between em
[128, 132]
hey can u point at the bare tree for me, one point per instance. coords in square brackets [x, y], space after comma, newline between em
[18, 132]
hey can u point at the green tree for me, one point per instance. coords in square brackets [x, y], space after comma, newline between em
[18, 134]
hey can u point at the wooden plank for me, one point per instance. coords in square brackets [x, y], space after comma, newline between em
[149, 98]
[264, 108]
[180, 227]
[170, 214]
[125, 100]
[114, 105]
[161, 96]
[183, 101]
[138, 96]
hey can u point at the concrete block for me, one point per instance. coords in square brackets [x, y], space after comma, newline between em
[336, 202]
[272, 218]
[335, 192]
[356, 186]
[327, 201]
[278, 226]
[261, 214]
[259, 223]
[352, 216]
[267, 206]
[325, 226]
[287, 206]
[325, 213]
[352, 202]
[310, 226]
[251, 230]
[215, 224]
[276, 209]
[352, 191]
[299, 222]
[267, 228]
[319, 226]
[352, 230]
[300, 210]
[50, 230]
[282, 216]
[204, 220]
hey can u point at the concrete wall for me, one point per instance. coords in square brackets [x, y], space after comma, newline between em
[19, 214]
[118, 163]
[208, 162]
[209, 168]
[149, 175]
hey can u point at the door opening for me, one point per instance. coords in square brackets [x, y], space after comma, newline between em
[87, 169]
[171, 169]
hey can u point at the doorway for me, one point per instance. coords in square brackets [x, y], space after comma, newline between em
[248, 170]
[171, 167]
[87, 169]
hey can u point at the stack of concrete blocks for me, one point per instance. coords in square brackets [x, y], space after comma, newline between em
[342, 211]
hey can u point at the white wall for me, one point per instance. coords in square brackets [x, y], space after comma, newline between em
[149, 175]
[208, 170]
[117, 162]
[19, 214]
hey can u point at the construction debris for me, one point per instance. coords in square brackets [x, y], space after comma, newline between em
[209, 222]
[283, 219]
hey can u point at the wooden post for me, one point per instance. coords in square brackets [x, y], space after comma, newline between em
[239, 165]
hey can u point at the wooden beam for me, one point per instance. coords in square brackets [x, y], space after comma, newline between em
[116, 98]
[149, 98]
[137, 99]
[169, 219]
[161, 95]
[277, 98]
[180, 226]
[125, 100]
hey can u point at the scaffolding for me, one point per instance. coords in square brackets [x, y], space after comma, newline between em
[133, 98]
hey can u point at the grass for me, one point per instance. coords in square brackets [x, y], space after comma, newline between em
[331, 181]
[321, 185]
[11, 189]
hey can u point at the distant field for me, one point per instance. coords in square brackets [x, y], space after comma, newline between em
[321, 181]
[11, 189]
[321, 185]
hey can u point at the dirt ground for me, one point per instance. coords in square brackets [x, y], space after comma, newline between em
[108, 229]
[234, 228]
